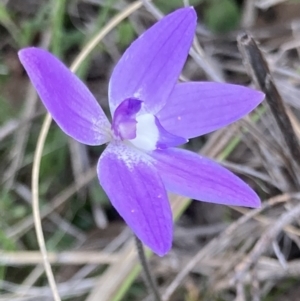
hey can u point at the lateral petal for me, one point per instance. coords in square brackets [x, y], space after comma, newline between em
[135, 189]
[150, 67]
[186, 173]
[197, 108]
[65, 96]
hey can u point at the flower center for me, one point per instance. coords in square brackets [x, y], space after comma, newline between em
[133, 123]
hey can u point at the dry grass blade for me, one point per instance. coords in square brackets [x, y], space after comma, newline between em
[265, 4]
[8, 128]
[245, 170]
[75, 258]
[268, 269]
[105, 289]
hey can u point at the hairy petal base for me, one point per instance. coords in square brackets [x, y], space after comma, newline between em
[136, 190]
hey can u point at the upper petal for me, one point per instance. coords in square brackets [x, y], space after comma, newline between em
[197, 108]
[135, 189]
[150, 67]
[67, 99]
[186, 173]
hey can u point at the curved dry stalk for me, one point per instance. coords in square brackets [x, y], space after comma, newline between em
[35, 204]
[43, 135]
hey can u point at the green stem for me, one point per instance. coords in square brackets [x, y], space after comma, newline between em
[150, 282]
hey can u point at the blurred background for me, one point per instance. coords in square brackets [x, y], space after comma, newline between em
[228, 253]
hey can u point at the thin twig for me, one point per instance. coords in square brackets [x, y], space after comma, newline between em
[151, 283]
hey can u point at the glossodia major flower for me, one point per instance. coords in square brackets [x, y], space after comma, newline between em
[151, 114]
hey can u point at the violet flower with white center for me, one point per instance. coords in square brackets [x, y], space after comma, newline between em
[151, 114]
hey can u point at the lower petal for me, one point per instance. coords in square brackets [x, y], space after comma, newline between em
[186, 173]
[137, 192]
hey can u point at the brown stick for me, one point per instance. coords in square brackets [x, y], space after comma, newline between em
[258, 69]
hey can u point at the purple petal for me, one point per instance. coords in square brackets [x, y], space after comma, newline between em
[135, 189]
[68, 100]
[150, 67]
[196, 177]
[194, 109]
[167, 139]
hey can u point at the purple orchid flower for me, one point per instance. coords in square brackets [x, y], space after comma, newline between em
[151, 114]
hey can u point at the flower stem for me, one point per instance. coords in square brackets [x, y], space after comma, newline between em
[150, 282]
